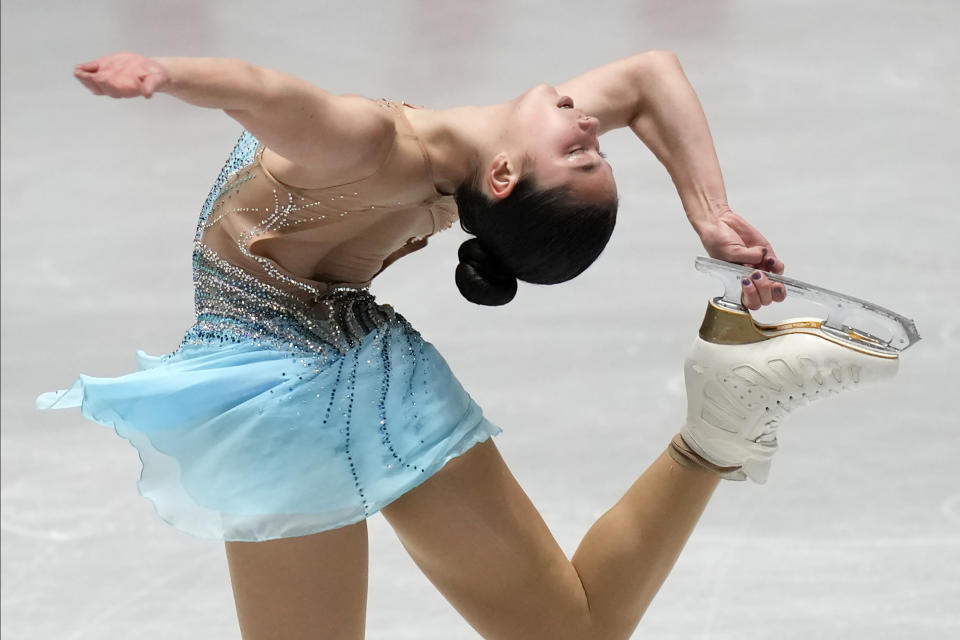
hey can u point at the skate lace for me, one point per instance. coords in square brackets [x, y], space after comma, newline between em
[780, 386]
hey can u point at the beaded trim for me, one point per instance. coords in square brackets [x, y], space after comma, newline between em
[233, 304]
[240, 157]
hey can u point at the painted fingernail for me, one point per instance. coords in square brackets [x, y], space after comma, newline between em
[764, 253]
[756, 275]
[778, 291]
[745, 282]
[770, 262]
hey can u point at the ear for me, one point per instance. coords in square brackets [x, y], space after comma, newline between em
[502, 176]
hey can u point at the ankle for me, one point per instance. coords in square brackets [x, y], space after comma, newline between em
[686, 457]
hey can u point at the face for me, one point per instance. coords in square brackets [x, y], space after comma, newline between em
[561, 142]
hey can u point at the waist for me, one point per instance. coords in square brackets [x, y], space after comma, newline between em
[233, 304]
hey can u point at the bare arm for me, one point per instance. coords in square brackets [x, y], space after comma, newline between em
[650, 94]
[315, 132]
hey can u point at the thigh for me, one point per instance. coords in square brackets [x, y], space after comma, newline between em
[478, 538]
[308, 587]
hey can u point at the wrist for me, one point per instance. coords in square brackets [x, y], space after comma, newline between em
[168, 70]
[703, 209]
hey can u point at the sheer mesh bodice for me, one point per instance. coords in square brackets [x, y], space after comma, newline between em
[270, 258]
[310, 240]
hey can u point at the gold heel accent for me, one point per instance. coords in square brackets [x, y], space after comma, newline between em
[725, 326]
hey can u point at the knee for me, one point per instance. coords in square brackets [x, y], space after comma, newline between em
[578, 626]
[612, 629]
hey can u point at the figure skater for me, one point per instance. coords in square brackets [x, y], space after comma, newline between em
[297, 406]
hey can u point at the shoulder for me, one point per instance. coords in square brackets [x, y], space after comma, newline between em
[356, 138]
[370, 126]
[362, 111]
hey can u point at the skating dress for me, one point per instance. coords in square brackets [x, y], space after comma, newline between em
[295, 403]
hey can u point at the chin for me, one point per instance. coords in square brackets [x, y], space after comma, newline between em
[539, 92]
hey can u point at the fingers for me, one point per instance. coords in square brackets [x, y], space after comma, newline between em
[758, 291]
[752, 256]
[84, 72]
[769, 261]
[779, 292]
[86, 79]
[762, 286]
[120, 75]
[113, 85]
[750, 297]
[755, 250]
[149, 84]
[758, 257]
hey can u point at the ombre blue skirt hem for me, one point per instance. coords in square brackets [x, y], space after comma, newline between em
[244, 440]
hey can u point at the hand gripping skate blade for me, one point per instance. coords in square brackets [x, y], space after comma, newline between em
[848, 319]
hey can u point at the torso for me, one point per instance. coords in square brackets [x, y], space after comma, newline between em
[320, 237]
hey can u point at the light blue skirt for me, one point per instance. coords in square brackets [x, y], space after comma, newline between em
[278, 418]
[243, 441]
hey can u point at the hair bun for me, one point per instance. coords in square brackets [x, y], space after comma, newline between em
[481, 278]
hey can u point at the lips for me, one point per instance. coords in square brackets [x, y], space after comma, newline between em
[565, 102]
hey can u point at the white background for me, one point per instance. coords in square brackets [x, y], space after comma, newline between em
[836, 126]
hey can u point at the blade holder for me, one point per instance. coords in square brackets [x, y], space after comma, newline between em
[842, 310]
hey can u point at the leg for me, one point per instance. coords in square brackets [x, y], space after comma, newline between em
[477, 537]
[628, 553]
[298, 588]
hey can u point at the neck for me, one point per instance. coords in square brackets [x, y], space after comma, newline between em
[458, 140]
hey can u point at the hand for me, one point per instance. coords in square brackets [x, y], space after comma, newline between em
[729, 237]
[122, 75]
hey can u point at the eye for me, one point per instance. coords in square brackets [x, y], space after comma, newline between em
[574, 152]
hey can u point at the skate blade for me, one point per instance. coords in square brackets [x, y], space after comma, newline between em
[850, 321]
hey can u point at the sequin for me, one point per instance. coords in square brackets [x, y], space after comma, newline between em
[289, 408]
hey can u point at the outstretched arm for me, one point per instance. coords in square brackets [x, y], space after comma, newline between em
[342, 137]
[650, 94]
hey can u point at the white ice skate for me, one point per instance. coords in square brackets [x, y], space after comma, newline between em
[743, 378]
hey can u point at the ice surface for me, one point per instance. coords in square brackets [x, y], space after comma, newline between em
[835, 124]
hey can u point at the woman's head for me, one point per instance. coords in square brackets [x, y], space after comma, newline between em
[543, 208]
[557, 143]
[544, 236]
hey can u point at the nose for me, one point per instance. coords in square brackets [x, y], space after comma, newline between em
[588, 124]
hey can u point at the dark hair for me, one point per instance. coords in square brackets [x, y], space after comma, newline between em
[544, 237]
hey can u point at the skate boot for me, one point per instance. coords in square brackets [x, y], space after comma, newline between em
[744, 378]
